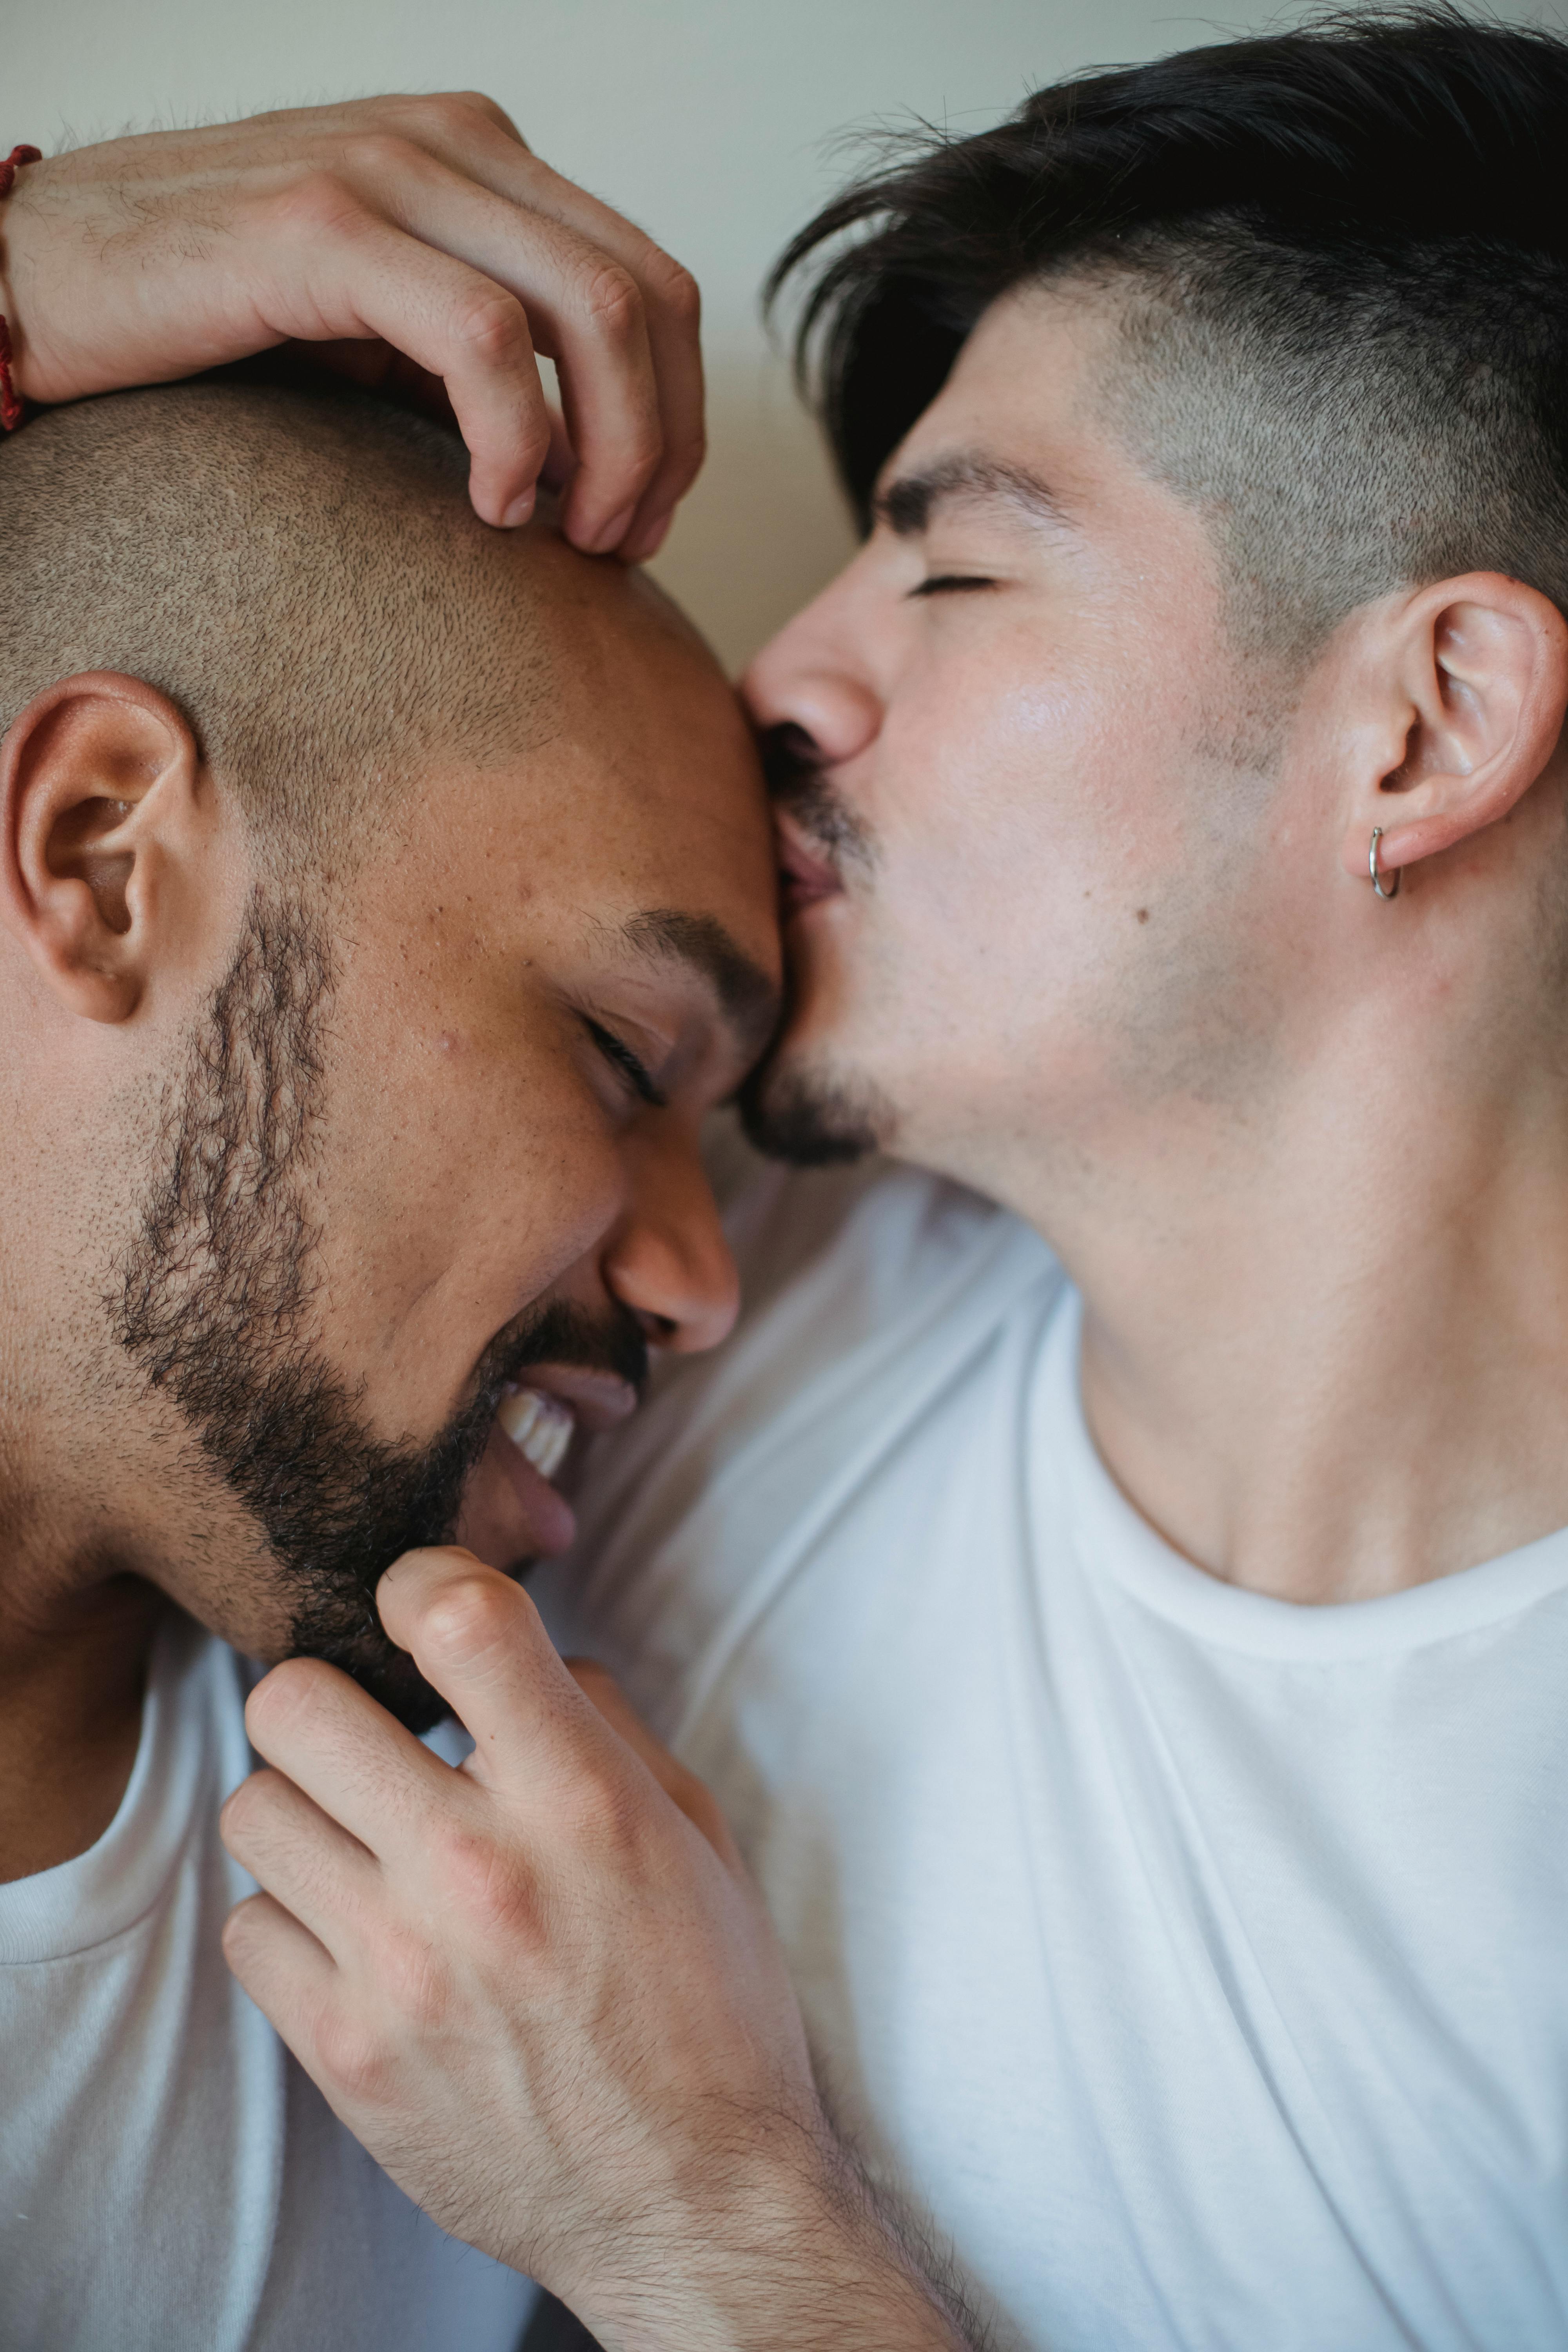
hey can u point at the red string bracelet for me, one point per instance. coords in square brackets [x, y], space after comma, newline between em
[10, 407]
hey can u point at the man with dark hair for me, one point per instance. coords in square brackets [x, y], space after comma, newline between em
[1126, 1628]
[1125, 1625]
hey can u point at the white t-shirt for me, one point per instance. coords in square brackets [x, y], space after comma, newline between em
[1200, 1961]
[170, 2179]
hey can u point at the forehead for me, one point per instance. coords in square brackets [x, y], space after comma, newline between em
[1030, 402]
[632, 784]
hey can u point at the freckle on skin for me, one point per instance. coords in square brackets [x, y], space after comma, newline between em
[1142, 914]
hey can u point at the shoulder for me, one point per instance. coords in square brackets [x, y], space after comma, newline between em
[867, 1293]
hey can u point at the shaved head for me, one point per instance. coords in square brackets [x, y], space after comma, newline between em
[385, 901]
[301, 574]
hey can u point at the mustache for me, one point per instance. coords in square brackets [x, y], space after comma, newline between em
[561, 1333]
[797, 779]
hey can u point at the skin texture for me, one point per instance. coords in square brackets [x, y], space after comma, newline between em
[602, 2012]
[474, 947]
[414, 241]
[1073, 938]
[482, 1156]
[1108, 952]
[1113, 965]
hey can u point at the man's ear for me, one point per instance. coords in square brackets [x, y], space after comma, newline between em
[100, 781]
[1476, 673]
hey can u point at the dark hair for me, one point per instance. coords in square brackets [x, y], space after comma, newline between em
[1357, 233]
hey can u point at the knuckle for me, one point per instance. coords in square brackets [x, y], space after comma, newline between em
[491, 325]
[450, 113]
[469, 1616]
[352, 2055]
[461, 106]
[382, 155]
[675, 288]
[611, 299]
[489, 1886]
[313, 203]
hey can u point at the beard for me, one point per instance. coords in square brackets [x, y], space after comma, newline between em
[215, 1307]
[812, 1117]
[809, 1118]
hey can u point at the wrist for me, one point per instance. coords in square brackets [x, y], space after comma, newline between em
[780, 2243]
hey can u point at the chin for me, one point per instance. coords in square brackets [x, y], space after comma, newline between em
[796, 1110]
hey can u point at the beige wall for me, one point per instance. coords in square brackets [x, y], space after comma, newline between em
[715, 123]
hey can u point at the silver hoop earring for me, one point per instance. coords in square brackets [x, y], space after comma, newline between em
[1376, 871]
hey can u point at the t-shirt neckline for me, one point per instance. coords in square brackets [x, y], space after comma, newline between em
[1113, 1540]
[102, 1892]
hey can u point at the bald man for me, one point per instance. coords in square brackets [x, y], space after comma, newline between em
[367, 875]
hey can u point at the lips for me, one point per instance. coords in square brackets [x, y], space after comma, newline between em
[805, 876]
[512, 1511]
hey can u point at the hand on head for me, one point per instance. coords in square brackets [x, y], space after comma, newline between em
[409, 241]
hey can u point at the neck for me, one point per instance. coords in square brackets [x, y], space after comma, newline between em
[1327, 1354]
[74, 1634]
[71, 1688]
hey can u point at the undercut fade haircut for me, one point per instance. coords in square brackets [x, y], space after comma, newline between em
[301, 573]
[1341, 255]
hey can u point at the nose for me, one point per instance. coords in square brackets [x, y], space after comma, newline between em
[816, 675]
[667, 1259]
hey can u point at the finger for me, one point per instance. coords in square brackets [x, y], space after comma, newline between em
[431, 115]
[672, 311]
[298, 1989]
[375, 367]
[465, 133]
[298, 1855]
[584, 307]
[289, 1975]
[342, 271]
[347, 1754]
[694, 1799]
[477, 1637]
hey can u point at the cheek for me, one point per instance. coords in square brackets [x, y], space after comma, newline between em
[1010, 807]
[467, 1177]
[1024, 821]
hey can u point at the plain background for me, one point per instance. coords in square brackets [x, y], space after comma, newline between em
[719, 124]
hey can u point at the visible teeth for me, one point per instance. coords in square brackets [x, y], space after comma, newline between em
[539, 1426]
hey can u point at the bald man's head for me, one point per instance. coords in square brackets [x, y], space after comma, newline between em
[301, 1179]
[302, 575]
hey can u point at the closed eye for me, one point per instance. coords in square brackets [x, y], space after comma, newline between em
[625, 1064]
[952, 584]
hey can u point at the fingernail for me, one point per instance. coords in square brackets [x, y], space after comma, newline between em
[609, 534]
[519, 511]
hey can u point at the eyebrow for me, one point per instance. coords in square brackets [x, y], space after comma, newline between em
[748, 999]
[907, 505]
